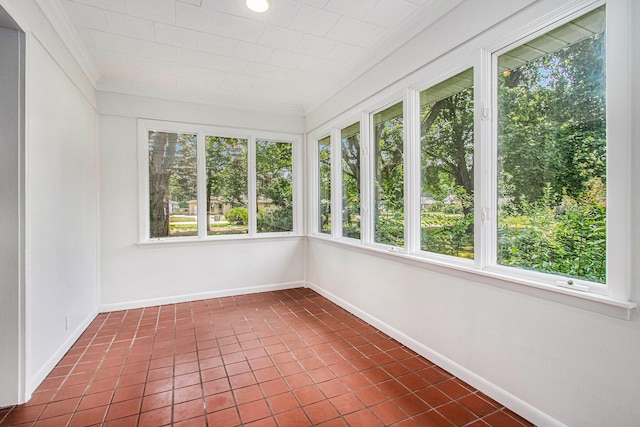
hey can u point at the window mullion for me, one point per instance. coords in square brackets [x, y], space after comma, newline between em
[314, 187]
[201, 178]
[252, 193]
[619, 220]
[296, 185]
[144, 222]
[486, 157]
[412, 170]
[336, 183]
[366, 179]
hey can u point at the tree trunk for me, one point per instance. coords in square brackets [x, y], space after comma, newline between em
[161, 161]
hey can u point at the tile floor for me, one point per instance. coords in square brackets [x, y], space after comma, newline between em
[286, 358]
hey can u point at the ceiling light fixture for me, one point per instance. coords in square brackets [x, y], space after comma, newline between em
[258, 5]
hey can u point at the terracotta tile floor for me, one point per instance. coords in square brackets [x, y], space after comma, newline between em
[286, 358]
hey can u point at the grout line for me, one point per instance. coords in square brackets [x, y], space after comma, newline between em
[326, 343]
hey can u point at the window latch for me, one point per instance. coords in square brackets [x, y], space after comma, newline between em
[486, 113]
[569, 284]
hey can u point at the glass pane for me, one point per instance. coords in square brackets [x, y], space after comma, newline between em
[389, 176]
[274, 182]
[350, 137]
[324, 169]
[552, 152]
[227, 183]
[173, 207]
[446, 140]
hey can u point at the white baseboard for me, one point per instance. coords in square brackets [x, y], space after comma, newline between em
[507, 399]
[37, 378]
[174, 299]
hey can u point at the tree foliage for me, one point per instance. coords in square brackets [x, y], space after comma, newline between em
[447, 173]
[324, 166]
[552, 162]
[274, 169]
[389, 183]
[227, 172]
[350, 150]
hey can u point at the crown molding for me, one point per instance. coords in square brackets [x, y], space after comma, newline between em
[59, 20]
[181, 95]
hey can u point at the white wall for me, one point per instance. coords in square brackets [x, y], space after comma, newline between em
[61, 198]
[553, 363]
[134, 275]
[62, 212]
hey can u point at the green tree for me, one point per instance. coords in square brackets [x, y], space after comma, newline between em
[389, 182]
[324, 166]
[552, 160]
[447, 146]
[227, 171]
[552, 122]
[447, 143]
[274, 169]
[350, 150]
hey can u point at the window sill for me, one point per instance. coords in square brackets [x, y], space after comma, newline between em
[238, 238]
[585, 300]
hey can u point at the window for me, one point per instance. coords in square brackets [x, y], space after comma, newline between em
[350, 148]
[274, 181]
[324, 192]
[172, 184]
[205, 183]
[388, 138]
[446, 153]
[515, 164]
[227, 185]
[552, 150]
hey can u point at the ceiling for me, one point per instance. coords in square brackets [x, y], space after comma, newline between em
[293, 57]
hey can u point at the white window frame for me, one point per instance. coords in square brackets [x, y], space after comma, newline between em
[334, 132]
[490, 246]
[414, 165]
[338, 176]
[202, 131]
[313, 189]
[296, 177]
[368, 187]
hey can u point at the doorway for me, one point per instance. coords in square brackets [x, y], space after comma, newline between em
[12, 212]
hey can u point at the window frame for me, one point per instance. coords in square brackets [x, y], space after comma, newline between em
[339, 177]
[251, 201]
[313, 189]
[202, 131]
[612, 298]
[490, 204]
[332, 192]
[334, 133]
[416, 166]
[368, 185]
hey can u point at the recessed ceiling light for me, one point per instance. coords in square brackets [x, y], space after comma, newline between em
[258, 5]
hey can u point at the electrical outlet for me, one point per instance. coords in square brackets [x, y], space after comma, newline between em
[67, 321]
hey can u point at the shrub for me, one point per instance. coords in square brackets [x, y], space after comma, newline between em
[278, 220]
[571, 241]
[238, 216]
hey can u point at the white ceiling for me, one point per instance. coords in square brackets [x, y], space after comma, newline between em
[292, 57]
